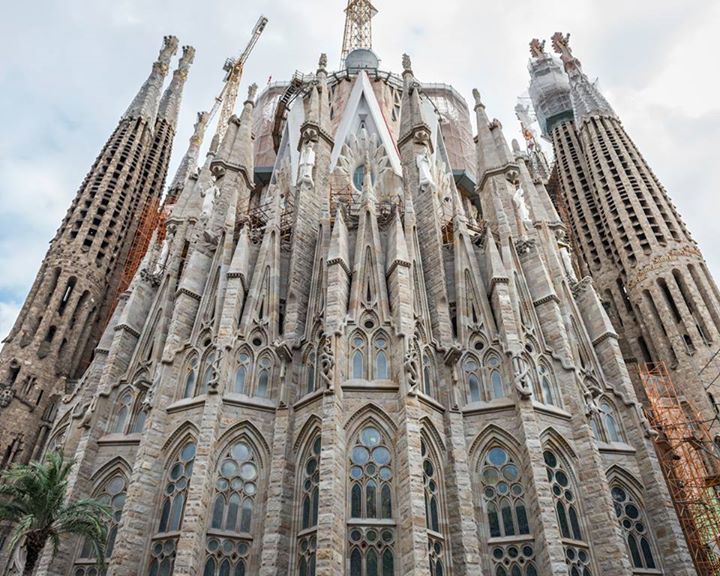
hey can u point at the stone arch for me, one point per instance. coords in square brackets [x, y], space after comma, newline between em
[490, 435]
[105, 471]
[307, 431]
[370, 413]
[617, 473]
[245, 430]
[187, 430]
[428, 429]
[550, 437]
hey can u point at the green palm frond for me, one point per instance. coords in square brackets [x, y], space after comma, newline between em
[34, 498]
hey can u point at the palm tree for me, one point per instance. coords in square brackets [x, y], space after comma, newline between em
[33, 497]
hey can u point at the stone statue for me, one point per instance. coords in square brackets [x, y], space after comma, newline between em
[214, 382]
[537, 48]
[521, 377]
[406, 63]
[521, 210]
[162, 258]
[322, 63]
[424, 171]
[209, 196]
[565, 256]
[252, 92]
[327, 362]
[476, 97]
[6, 395]
[307, 163]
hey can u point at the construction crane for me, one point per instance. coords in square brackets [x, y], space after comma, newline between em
[227, 99]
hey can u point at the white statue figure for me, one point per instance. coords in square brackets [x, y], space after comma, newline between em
[566, 257]
[423, 163]
[307, 163]
[521, 210]
[209, 197]
[162, 258]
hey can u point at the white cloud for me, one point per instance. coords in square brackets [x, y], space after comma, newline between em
[69, 70]
[8, 313]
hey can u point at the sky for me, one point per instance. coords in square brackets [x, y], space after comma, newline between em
[69, 69]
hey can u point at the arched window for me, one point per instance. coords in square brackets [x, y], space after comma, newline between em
[495, 379]
[190, 377]
[577, 554]
[427, 374]
[503, 494]
[471, 369]
[380, 345]
[122, 415]
[208, 373]
[358, 356]
[242, 373]
[112, 493]
[433, 512]
[309, 478]
[310, 371]
[262, 386]
[546, 385]
[371, 529]
[229, 538]
[635, 528]
[612, 429]
[163, 548]
[137, 422]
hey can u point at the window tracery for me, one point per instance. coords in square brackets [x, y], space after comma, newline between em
[632, 519]
[190, 376]
[371, 526]
[310, 499]
[122, 415]
[577, 554]
[484, 380]
[242, 373]
[112, 493]
[428, 373]
[229, 538]
[511, 544]
[433, 512]
[129, 417]
[163, 548]
[605, 424]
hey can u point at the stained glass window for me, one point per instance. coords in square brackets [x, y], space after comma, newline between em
[190, 377]
[631, 517]
[309, 476]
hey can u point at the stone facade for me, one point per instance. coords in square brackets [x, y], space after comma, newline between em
[69, 305]
[357, 366]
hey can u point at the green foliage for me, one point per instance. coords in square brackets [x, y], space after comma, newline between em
[33, 497]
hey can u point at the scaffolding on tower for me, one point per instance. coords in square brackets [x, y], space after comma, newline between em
[689, 460]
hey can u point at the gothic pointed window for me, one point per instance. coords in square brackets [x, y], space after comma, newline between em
[380, 345]
[163, 547]
[471, 369]
[262, 376]
[229, 538]
[433, 512]
[137, 422]
[371, 527]
[112, 493]
[189, 377]
[567, 511]
[610, 424]
[546, 385]
[310, 371]
[427, 374]
[208, 373]
[309, 478]
[633, 522]
[495, 379]
[242, 373]
[358, 356]
[122, 413]
[503, 493]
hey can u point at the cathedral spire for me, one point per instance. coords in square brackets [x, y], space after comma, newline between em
[145, 104]
[189, 161]
[170, 103]
[586, 99]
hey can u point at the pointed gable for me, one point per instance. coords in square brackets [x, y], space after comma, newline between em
[362, 106]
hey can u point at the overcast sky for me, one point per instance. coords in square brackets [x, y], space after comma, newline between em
[69, 69]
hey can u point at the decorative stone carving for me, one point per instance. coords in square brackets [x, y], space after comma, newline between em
[521, 211]
[565, 257]
[209, 196]
[521, 377]
[537, 48]
[411, 365]
[6, 395]
[327, 362]
[214, 383]
[425, 177]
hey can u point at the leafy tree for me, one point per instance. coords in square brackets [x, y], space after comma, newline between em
[33, 498]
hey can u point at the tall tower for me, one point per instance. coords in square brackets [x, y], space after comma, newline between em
[649, 272]
[358, 26]
[63, 317]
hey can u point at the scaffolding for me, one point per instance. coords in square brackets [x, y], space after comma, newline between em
[151, 219]
[689, 461]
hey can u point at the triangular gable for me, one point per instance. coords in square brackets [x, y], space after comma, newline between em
[362, 92]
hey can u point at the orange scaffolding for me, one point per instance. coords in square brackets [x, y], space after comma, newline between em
[689, 461]
[152, 218]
